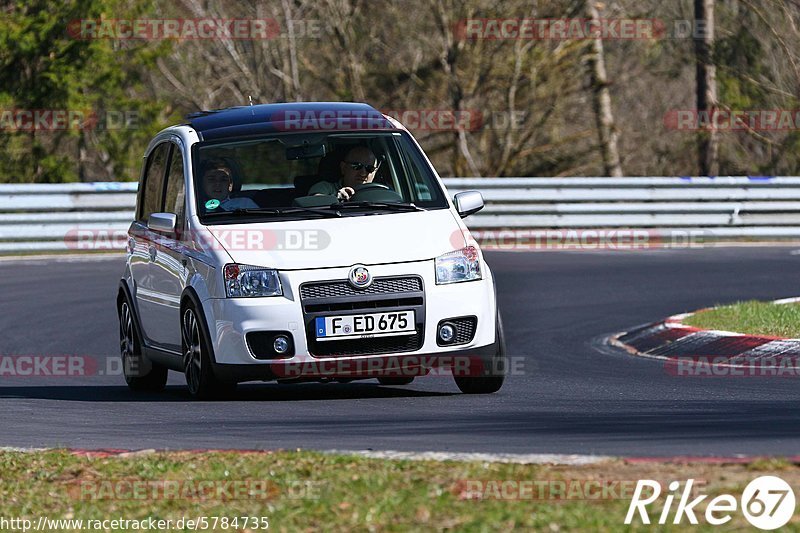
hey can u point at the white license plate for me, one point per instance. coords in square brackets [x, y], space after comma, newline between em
[365, 326]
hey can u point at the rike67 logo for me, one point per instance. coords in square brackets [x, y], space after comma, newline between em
[767, 503]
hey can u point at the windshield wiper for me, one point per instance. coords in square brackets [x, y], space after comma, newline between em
[381, 205]
[333, 210]
[280, 211]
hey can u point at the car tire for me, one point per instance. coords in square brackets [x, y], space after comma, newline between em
[197, 358]
[493, 381]
[396, 381]
[133, 360]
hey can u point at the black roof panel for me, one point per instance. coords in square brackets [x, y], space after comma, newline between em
[299, 116]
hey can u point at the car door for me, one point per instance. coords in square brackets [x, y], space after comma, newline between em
[143, 241]
[168, 264]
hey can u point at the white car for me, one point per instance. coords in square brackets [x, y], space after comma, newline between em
[254, 257]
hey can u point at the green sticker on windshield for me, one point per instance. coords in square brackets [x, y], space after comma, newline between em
[212, 204]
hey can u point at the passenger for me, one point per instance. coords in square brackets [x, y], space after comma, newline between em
[218, 186]
[358, 167]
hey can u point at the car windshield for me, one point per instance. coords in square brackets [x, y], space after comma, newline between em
[312, 175]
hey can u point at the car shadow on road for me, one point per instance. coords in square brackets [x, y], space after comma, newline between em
[247, 392]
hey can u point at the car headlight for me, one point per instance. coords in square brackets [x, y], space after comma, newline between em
[243, 281]
[459, 265]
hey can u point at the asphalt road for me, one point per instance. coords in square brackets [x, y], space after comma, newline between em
[568, 397]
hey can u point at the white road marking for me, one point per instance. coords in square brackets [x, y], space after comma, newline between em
[526, 458]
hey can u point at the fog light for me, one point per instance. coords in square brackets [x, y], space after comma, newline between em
[280, 344]
[447, 332]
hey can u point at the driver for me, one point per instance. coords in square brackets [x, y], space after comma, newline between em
[358, 167]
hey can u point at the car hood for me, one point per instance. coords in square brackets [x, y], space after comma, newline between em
[341, 242]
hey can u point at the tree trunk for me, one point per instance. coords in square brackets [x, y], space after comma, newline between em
[708, 140]
[601, 100]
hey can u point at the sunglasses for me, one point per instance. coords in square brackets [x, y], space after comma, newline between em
[358, 165]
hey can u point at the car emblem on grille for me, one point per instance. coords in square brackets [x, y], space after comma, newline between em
[359, 277]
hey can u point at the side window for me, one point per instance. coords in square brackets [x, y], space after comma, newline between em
[419, 176]
[154, 181]
[174, 199]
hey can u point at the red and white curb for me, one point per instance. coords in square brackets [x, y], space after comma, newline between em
[673, 341]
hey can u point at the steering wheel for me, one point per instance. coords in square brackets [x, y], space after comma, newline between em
[369, 187]
[375, 192]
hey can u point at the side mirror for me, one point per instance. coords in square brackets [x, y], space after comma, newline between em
[468, 202]
[162, 222]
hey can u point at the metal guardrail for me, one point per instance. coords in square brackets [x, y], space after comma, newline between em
[46, 218]
[739, 207]
[43, 217]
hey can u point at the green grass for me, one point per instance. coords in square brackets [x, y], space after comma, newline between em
[310, 491]
[751, 317]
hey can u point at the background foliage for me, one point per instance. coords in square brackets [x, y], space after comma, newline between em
[399, 55]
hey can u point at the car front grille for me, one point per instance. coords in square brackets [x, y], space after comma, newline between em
[365, 305]
[326, 298]
[338, 289]
[373, 346]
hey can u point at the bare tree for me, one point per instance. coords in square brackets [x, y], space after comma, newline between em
[708, 139]
[606, 129]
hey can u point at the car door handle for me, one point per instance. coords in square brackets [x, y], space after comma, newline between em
[153, 253]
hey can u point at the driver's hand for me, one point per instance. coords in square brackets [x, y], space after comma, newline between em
[345, 193]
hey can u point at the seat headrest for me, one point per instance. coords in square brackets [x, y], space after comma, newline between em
[230, 163]
[328, 167]
[304, 182]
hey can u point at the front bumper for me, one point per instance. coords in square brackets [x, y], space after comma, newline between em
[231, 319]
[473, 362]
